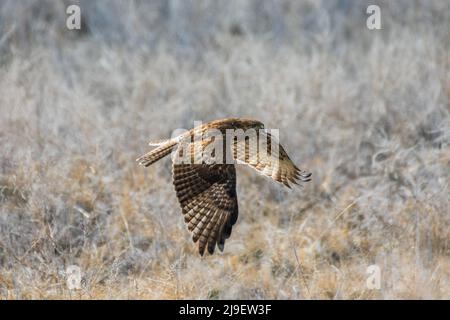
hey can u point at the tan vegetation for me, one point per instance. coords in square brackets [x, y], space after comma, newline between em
[367, 112]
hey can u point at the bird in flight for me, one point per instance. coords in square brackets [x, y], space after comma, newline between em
[204, 173]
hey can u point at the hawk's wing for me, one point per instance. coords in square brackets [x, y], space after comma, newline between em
[207, 195]
[264, 153]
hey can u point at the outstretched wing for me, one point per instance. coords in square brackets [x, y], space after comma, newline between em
[207, 195]
[264, 153]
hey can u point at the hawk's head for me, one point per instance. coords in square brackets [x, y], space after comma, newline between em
[258, 125]
[244, 123]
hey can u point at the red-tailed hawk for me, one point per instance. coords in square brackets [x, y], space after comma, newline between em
[204, 173]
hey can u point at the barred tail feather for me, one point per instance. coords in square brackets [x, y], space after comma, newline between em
[156, 143]
[158, 153]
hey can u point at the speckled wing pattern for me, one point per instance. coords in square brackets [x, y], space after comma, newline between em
[207, 195]
[269, 158]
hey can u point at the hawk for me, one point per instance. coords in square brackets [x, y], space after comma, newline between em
[204, 173]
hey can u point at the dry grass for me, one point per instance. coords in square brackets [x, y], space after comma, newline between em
[366, 111]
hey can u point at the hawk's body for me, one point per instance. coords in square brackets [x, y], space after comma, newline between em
[207, 191]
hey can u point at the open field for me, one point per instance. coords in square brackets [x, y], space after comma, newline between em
[366, 111]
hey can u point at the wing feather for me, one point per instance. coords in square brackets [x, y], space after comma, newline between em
[207, 196]
[271, 160]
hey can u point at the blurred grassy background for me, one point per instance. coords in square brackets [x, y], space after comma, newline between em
[366, 111]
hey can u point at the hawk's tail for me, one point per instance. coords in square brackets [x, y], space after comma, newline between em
[163, 149]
